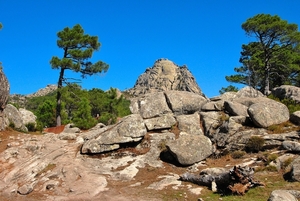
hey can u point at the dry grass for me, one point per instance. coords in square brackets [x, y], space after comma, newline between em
[282, 128]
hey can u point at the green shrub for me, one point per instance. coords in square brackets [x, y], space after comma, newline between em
[255, 144]
[107, 118]
[82, 117]
[12, 125]
[46, 114]
[31, 127]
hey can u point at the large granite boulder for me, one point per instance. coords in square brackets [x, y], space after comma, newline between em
[27, 116]
[211, 121]
[4, 95]
[130, 129]
[282, 195]
[295, 172]
[183, 102]
[163, 76]
[162, 122]
[291, 146]
[235, 109]
[295, 117]
[157, 104]
[268, 113]
[287, 91]
[189, 123]
[248, 92]
[150, 105]
[14, 118]
[189, 149]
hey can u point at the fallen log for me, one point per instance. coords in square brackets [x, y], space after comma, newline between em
[237, 180]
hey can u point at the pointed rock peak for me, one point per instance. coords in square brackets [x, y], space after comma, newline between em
[165, 75]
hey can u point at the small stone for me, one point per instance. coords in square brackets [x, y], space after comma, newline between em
[25, 189]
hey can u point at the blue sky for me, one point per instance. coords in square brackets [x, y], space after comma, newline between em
[204, 35]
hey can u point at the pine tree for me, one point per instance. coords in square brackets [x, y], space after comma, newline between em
[77, 48]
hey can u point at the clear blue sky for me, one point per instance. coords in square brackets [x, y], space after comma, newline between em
[205, 35]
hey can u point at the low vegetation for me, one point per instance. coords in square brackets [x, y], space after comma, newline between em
[255, 144]
[84, 108]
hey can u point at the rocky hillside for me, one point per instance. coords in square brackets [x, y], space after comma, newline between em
[159, 149]
[20, 99]
[163, 76]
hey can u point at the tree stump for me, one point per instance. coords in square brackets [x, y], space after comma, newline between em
[237, 180]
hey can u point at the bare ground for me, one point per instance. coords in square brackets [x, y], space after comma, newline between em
[146, 185]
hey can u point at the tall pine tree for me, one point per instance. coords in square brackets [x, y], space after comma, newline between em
[77, 49]
[273, 58]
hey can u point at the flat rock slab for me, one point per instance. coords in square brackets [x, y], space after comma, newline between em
[189, 149]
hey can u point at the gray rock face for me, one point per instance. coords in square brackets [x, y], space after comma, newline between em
[183, 102]
[211, 122]
[27, 116]
[295, 172]
[287, 91]
[162, 122]
[213, 106]
[190, 123]
[13, 116]
[4, 94]
[189, 149]
[292, 146]
[21, 99]
[130, 129]
[160, 103]
[150, 105]
[281, 195]
[163, 76]
[235, 109]
[4, 90]
[69, 128]
[295, 117]
[269, 113]
[248, 92]
[44, 91]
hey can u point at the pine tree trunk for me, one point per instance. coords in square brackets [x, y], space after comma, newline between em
[58, 97]
[267, 81]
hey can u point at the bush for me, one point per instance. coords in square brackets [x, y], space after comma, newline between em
[107, 118]
[237, 154]
[255, 144]
[271, 157]
[46, 114]
[31, 127]
[83, 118]
[11, 125]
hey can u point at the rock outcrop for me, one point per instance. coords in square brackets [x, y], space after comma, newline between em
[44, 91]
[287, 91]
[284, 195]
[156, 112]
[18, 118]
[4, 95]
[269, 113]
[14, 118]
[189, 149]
[165, 75]
[20, 99]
